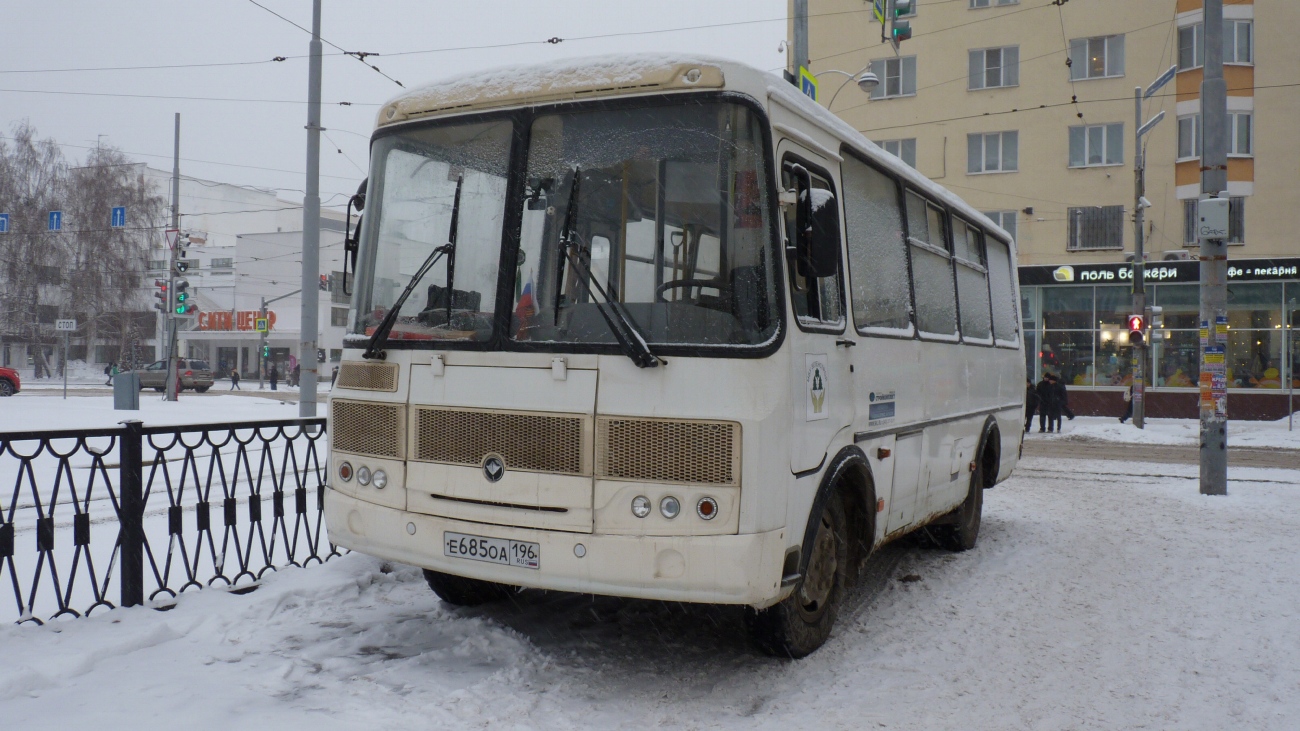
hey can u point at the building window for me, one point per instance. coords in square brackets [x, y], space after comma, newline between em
[1097, 144]
[988, 3]
[1236, 221]
[337, 295]
[1237, 41]
[905, 150]
[157, 264]
[1191, 47]
[997, 152]
[897, 77]
[991, 68]
[1096, 58]
[223, 263]
[339, 316]
[1005, 219]
[1095, 227]
[1239, 134]
[1189, 137]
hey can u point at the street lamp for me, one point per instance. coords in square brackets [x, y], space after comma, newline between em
[867, 81]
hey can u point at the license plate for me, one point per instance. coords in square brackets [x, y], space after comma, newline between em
[492, 550]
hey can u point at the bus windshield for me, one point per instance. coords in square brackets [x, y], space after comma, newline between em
[660, 212]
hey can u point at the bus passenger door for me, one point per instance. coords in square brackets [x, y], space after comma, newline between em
[822, 383]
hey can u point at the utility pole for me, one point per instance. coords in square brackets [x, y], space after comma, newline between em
[800, 37]
[1214, 261]
[311, 231]
[171, 264]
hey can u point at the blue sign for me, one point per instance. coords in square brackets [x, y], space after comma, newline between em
[56, 220]
[119, 217]
[4, 223]
[807, 83]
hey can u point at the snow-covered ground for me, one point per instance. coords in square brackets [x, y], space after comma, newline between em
[1102, 595]
[1181, 432]
[32, 411]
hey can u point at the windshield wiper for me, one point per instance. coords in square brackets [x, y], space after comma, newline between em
[380, 335]
[620, 324]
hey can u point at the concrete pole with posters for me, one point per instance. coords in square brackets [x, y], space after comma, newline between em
[1214, 264]
[172, 391]
[1139, 264]
[311, 231]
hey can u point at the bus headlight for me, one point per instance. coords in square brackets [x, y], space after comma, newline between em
[669, 507]
[363, 475]
[345, 472]
[640, 506]
[381, 480]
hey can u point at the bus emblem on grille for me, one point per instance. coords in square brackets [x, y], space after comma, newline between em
[494, 468]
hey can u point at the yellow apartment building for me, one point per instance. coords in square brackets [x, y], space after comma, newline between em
[1025, 108]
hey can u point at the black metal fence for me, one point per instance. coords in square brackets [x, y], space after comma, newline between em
[134, 515]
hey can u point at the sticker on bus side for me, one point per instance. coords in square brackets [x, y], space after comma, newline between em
[817, 383]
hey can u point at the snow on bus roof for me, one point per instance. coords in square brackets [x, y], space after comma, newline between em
[586, 72]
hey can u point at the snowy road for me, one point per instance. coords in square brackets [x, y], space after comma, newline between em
[1095, 599]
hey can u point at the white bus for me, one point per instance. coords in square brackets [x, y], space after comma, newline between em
[663, 327]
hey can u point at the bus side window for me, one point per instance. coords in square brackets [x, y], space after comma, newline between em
[932, 277]
[972, 281]
[882, 297]
[818, 301]
[1003, 291]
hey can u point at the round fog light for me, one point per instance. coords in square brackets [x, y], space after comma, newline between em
[640, 506]
[706, 508]
[380, 479]
[345, 472]
[669, 507]
[363, 475]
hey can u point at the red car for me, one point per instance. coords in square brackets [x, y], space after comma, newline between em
[9, 383]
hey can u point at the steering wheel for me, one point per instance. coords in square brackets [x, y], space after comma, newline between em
[682, 284]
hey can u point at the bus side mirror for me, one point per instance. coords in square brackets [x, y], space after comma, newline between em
[352, 237]
[818, 226]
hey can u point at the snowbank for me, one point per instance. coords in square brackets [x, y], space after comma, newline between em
[1181, 432]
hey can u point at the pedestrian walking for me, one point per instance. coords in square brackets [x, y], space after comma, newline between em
[274, 376]
[1049, 411]
[234, 380]
[110, 370]
[334, 376]
[1062, 400]
[295, 375]
[1128, 400]
[1031, 404]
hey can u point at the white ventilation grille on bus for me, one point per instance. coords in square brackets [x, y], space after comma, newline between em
[525, 441]
[368, 428]
[368, 376]
[662, 450]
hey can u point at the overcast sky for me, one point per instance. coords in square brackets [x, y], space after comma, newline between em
[263, 143]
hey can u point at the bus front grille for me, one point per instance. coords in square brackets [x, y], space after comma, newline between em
[367, 428]
[664, 450]
[368, 376]
[533, 442]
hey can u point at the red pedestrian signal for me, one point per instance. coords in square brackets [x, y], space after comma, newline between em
[1136, 326]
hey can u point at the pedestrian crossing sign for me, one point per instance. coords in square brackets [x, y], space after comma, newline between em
[260, 324]
[808, 83]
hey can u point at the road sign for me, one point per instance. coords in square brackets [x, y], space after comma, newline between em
[172, 235]
[878, 10]
[4, 223]
[1165, 78]
[119, 217]
[807, 83]
[1150, 123]
[56, 220]
[261, 325]
[65, 325]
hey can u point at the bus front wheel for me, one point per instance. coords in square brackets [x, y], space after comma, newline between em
[465, 592]
[802, 622]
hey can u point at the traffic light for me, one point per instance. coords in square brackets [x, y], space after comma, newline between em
[1136, 324]
[901, 30]
[181, 266]
[161, 295]
[183, 305]
[1156, 321]
[266, 351]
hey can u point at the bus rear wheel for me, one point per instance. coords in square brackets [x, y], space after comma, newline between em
[465, 592]
[961, 533]
[802, 622]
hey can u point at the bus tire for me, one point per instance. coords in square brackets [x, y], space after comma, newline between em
[801, 623]
[465, 592]
[963, 529]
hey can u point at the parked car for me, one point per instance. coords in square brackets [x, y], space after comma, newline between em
[10, 384]
[195, 374]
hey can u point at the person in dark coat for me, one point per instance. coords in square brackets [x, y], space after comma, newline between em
[234, 380]
[1062, 400]
[274, 376]
[1128, 410]
[1049, 410]
[1031, 404]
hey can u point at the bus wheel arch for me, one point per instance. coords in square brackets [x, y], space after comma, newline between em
[989, 452]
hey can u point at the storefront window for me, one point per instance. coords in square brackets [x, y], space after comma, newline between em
[1254, 305]
[1114, 305]
[1031, 351]
[1067, 308]
[1069, 355]
[1181, 304]
[1114, 365]
[1293, 318]
[1255, 358]
[1177, 359]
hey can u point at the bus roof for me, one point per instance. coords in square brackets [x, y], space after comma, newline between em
[574, 79]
